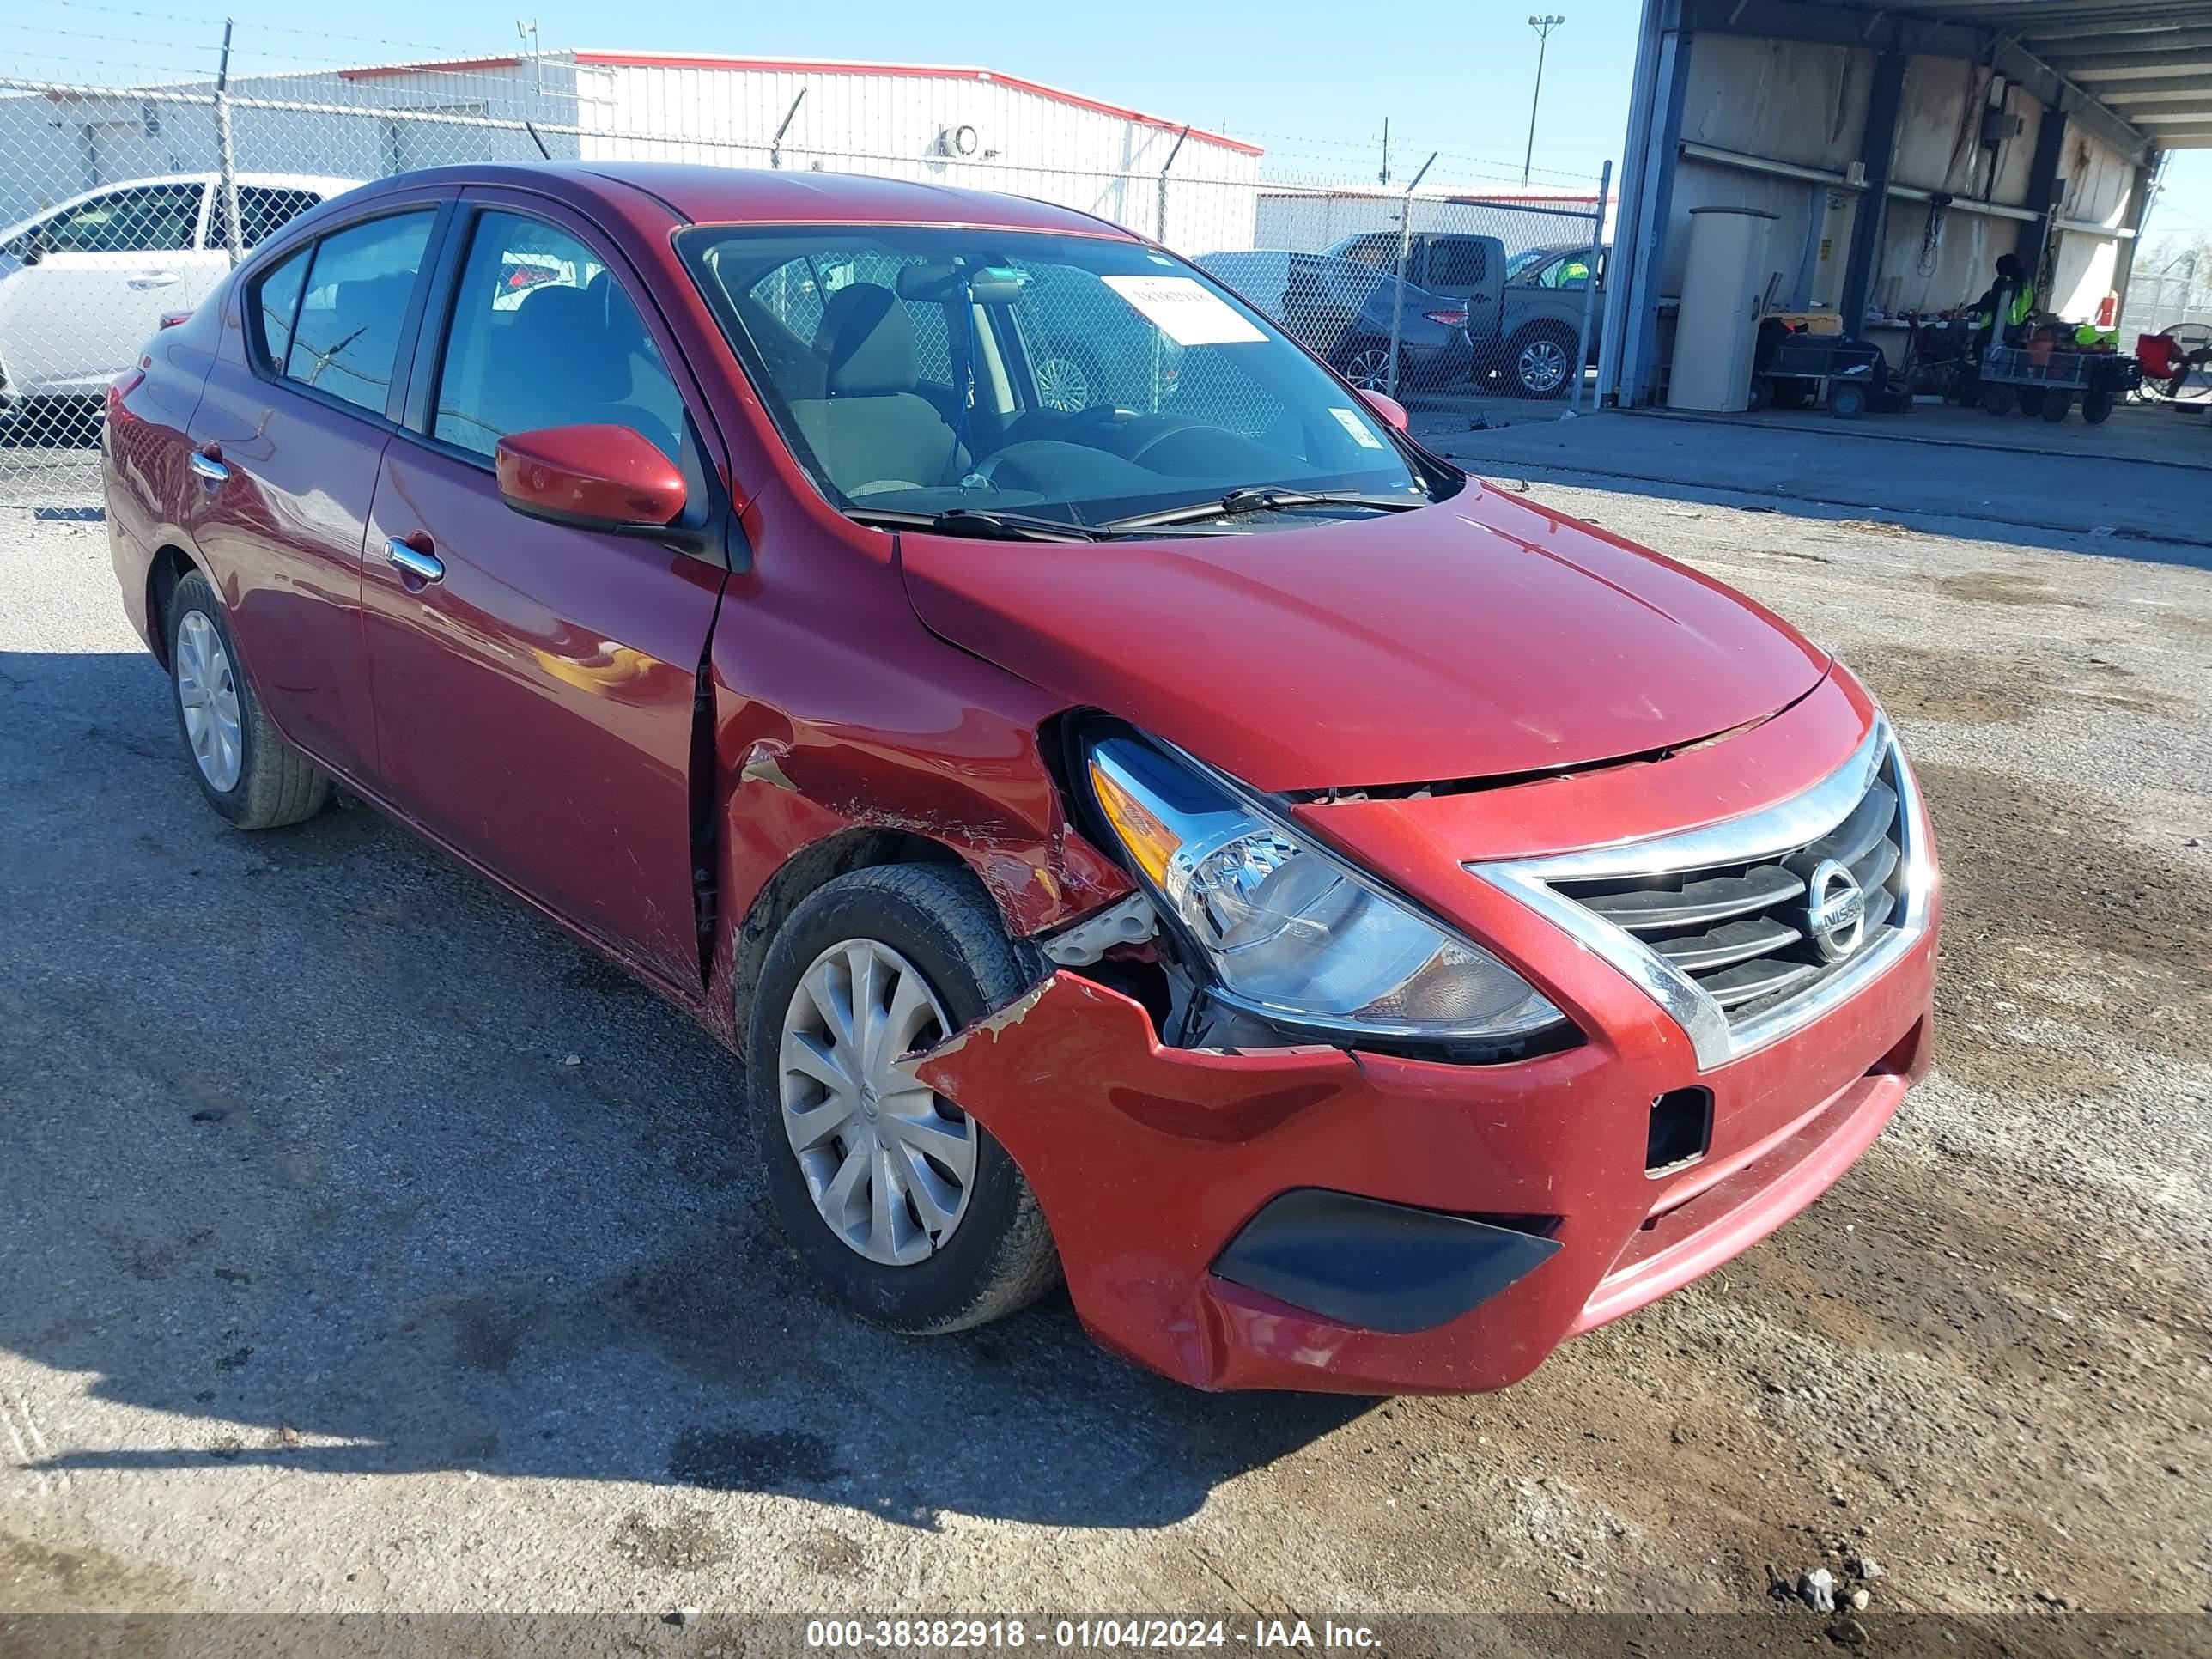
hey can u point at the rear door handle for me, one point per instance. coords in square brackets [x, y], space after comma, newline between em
[155, 279]
[424, 567]
[208, 462]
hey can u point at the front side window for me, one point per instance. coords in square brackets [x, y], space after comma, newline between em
[144, 219]
[543, 334]
[345, 339]
[1080, 378]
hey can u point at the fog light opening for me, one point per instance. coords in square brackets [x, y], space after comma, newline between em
[1681, 1130]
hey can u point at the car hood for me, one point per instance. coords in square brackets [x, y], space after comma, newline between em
[1481, 637]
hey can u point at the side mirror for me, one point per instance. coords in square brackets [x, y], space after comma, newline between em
[1392, 412]
[595, 477]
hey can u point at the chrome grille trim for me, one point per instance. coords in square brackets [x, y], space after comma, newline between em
[1774, 833]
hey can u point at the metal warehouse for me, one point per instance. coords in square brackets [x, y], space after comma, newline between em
[1898, 147]
[960, 126]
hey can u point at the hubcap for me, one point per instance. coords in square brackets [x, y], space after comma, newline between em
[888, 1164]
[1370, 369]
[206, 692]
[1062, 385]
[1543, 365]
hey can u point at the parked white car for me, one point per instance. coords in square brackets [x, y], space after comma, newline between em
[84, 284]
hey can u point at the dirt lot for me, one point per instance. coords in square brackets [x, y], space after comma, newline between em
[333, 1282]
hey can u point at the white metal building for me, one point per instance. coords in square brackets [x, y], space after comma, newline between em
[1902, 145]
[972, 127]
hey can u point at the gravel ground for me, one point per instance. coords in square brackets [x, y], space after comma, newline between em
[332, 1282]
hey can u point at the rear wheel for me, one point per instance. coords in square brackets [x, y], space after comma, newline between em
[1064, 379]
[1366, 364]
[250, 776]
[1997, 399]
[1540, 363]
[2030, 399]
[2056, 405]
[1847, 403]
[2096, 407]
[908, 1210]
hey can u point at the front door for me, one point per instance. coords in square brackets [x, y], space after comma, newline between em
[95, 279]
[533, 684]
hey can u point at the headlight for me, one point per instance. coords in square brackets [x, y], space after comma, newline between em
[1290, 933]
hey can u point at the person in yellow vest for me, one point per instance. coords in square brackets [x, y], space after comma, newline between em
[2002, 313]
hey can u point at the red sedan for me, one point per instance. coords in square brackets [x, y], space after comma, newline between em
[1360, 929]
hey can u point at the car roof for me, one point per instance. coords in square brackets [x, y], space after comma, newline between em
[709, 195]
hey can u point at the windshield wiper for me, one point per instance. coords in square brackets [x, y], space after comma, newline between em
[1265, 498]
[983, 523]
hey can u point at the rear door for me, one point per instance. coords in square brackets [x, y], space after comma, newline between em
[534, 697]
[298, 407]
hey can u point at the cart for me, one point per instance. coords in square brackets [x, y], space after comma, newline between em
[1793, 369]
[2041, 380]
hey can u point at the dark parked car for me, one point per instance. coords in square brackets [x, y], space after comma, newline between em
[1340, 310]
[1359, 928]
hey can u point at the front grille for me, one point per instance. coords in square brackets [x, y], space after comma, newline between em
[1745, 933]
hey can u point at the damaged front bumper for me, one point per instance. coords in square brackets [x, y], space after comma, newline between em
[1317, 1218]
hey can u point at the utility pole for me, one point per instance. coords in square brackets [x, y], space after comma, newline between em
[1384, 176]
[1543, 24]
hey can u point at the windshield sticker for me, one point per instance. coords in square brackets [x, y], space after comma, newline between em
[1185, 310]
[1362, 433]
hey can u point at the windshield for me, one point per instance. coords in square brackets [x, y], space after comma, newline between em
[1078, 379]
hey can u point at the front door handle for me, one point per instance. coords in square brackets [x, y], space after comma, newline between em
[424, 567]
[208, 462]
[155, 279]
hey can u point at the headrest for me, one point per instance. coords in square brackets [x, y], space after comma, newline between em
[868, 339]
[565, 331]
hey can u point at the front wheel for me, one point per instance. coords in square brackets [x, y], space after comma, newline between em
[248, 774]
[909, 1211]
[1997, 399]
[2096, 407]
[2056, 406]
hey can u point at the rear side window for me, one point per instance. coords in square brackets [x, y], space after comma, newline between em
[263, 210]
[275, 302]
[1457, 262]
[346, 338]
[543, 336]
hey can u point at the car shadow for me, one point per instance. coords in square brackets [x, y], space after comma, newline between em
[325, 1155]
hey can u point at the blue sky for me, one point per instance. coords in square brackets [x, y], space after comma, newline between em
[1313, 82]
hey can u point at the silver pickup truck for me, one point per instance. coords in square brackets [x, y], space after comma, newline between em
[1524, 312]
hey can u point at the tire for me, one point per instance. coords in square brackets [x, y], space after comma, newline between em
[1762, 394]
[1066, 379]
[2096, 407]
[251, 776]
[997, 1254]
[2056, 405]
[1365, 362]
[1847, 403]
[1540, 362]
[2031, 399]
[1996, 400]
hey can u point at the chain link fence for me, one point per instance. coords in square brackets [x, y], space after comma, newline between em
[123, 206]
